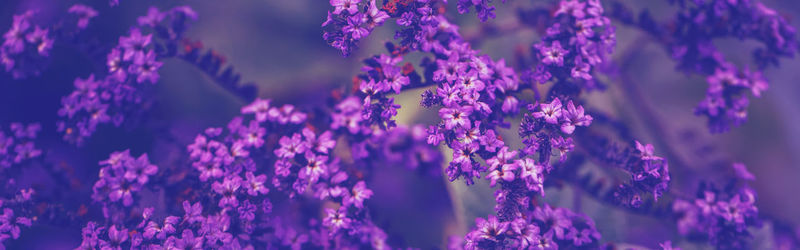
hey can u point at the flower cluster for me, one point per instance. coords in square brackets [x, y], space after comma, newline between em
[649, 174]
[578, 39]
[303, 163]
[25, 47]
[546, 129]
[482, 7]
[16, 144]
[351, 21]
[120, 93]
[545, 228]
[721, 216]
[122, 176]
[14, 214]
[726, 99]
[407, 147]
[690, 37]
[310, 176]
[190, 231]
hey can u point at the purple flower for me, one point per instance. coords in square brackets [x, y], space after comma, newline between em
[145, 67]
[395, 78]
[647, 152]
[192, 212]
[84, 13]
[489, 229]
[741, 172]
[348, 115]
[359, 194]
[315, 168]
[532, 173]
[116, 66]
[189, 241]
[255, 184]
[10, 223]
[25, 151]
[152, 19]
[290, 146]
[505, 172]
[160, 231]
[115, 238]
[322, 143]
[574, 117]
[134, 44]
[286, 114]
[40, 40]
[253, 135]
[351, 6]
[550, 112]
[228, 189]
[573, 8]
[553, 54]
[336, 219]
[555, 221]
[15, 37]
[456, 117]
[356, 27]
[140, 169]
[564, 146]
[121, 190]
[375, 16]
[259, 108]
[448, 70]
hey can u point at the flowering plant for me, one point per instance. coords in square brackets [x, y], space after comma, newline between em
[333, 169]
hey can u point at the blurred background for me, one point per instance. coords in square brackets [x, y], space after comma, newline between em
[278, 45]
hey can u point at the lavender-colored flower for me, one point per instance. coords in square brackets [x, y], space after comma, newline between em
[550, 112]
[145, 67]
[290, 146]
[140, 169]
[84, 13]
[228, 189]
[490, 228]
[359, 194]
[259, 108]
[315, 168]
[134, 45]
[152, 18]
[573, 117]
[456, 117]
[351, 6]
[115, 238]
[255, 184]
[336, 219]
[322, 143]
[532, 173]
[553, 54]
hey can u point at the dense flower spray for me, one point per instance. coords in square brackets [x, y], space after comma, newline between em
[291, 175]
